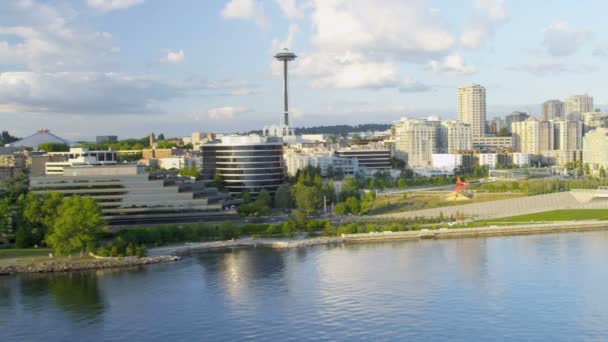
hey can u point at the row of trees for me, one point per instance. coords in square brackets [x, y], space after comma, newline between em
[542, 186]
[67, 224]
[6, 138]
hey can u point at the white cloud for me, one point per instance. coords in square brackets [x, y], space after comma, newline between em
[111, 5]
[346, 72]
[290, 9]
[561, 40]
[352, 50]
[246, 10]
[39, 37]
[397, 29]
[553, 69]
[288, 42]
[83, 92]
[225, 113]
[413, 86]
[172, 57]
[487, 16]
[600, 52]
[452, 65]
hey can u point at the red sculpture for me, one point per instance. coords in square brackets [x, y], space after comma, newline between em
[460, 185]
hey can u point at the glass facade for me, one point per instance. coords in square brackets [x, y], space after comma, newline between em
[243, 168]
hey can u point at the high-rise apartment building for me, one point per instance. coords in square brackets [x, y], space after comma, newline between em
[415, 141]
[526, 136]
[515, 117]
[568, 134]
[553, 109]
[579, 104]
[472, 108]
[546, 135]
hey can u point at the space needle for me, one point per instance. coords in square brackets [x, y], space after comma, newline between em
[285, 56]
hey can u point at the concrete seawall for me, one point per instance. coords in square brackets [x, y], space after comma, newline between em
[443, 233]
[67, 266]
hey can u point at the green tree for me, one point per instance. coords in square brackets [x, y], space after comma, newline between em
[587, 170]
[350, 188]
[353, 205]
[340, 209]
[50, 209]
[602, 172]
[282, 198]
[503, 132]
[78, 222]
[264, 198]
[5, 222]
[299, 217]
[23, 237]
[54, 147]
[367, 202]
[217, 180]
[307, 198]
[246, 197]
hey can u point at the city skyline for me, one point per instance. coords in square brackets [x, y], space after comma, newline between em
[83, 69]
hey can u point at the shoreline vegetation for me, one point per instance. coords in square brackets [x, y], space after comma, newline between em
[174, 252]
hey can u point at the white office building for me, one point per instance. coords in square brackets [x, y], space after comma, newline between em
[415, 141]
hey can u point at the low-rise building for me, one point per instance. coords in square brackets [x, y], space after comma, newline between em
[326, 162]
[78, 156]
[177, 163]
[521, 159]
[487, 143]
[127, 194]
[561, 157]
[453, 162]
[492, 160]
[160, 153]
[370, 159]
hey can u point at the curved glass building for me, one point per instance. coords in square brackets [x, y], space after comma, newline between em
[245, 163]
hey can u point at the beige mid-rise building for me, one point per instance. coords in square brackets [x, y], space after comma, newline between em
[553, 109]
[456, 136]
[568, 134]
[595, 153]
[472, 107]
[579, 104]
[546, 135]
[415, 141]
[526, 136]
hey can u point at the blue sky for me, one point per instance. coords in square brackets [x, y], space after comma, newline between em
[129, 67]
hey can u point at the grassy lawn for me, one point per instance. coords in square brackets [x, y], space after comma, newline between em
[15, 253]
[422, 200]
[557, 215]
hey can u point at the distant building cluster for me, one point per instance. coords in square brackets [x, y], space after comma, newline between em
[202, 175]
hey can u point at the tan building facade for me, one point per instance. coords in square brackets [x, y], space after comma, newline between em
[472, 108]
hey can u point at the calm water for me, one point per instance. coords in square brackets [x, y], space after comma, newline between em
[543, 287]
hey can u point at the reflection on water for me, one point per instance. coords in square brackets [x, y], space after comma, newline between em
[76, 294]
[533, 288]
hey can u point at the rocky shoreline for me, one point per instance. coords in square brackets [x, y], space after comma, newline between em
[67, 266]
